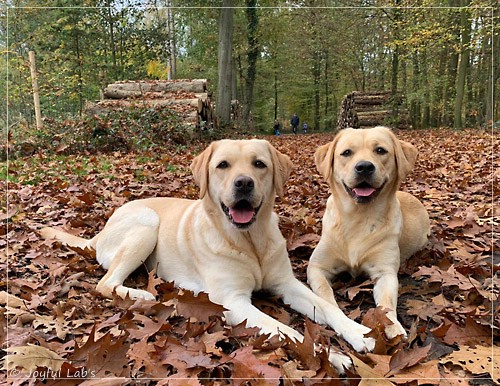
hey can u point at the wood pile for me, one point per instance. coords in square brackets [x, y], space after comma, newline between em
[188, 97]
[366, 109]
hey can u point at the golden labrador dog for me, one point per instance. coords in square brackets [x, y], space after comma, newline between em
[226, 244]
[368, 226]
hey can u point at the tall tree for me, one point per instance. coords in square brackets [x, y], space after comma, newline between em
[252, 55]
[225, 63]
[463, 65]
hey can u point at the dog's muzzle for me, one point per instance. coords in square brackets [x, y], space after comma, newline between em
[242, 213]
[364, 192]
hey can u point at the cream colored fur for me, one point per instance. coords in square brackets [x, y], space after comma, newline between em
[194, 244]
[371, 237]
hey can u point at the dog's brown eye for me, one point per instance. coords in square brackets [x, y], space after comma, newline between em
[222, 165]
[380, 150]
[346, 153]
[260, 164]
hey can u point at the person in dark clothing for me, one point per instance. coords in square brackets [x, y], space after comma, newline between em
[276, 127]
[295, 122]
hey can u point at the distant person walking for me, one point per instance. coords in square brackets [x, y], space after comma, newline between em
[295, 122]
[276, 127]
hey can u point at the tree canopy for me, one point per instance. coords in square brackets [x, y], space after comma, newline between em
[287, 56]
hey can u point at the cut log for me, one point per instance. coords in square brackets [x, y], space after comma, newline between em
[125, 103]
[188, 98]
[195, 85]
[128, 94]
[361, 109]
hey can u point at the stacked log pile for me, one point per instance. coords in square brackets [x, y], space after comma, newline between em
[366, 109]
[189, 98]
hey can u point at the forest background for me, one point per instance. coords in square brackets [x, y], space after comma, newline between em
[287, 56]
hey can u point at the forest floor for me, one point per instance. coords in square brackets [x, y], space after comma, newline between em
[448, 293]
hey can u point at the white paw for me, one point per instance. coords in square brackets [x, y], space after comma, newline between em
[140, 294]
[355, 336]
[394, 330]
[339, 361]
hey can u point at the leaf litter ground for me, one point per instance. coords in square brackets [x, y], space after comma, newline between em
[52, 313]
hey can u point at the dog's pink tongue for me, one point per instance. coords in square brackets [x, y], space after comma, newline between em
[364, 192]
[241, 216]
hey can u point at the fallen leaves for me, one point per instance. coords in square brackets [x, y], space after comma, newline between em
[448, 291]
[30, 357]
[477, 360]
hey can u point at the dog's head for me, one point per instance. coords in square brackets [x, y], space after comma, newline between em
[241, 178]
[363, 163]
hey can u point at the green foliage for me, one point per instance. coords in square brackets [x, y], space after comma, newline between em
[309, 54]
[136, 129]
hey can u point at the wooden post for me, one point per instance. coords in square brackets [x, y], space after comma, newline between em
[34, 83]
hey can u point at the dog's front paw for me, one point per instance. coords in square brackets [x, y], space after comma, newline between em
[394, 330]
[355, 336]
[140, 294]
[339, 361]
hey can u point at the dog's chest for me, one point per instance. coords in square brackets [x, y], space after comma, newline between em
[359, 243]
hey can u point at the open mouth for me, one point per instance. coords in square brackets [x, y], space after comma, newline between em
[363, 192]
[242, 214]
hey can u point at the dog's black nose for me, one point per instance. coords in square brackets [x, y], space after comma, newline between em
[364, 168]
[243, 184]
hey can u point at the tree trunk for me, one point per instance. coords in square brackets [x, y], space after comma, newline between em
[36, 97]
[317, 81]
[225, 67]
[328, 118]
[395, 63]
[415, 102]
[172, 65]
[488, 105]
[425, 83]
[276, 95]
[112, 39]
[462, 66]
[252, 55]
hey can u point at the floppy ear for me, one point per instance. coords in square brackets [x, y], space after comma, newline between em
[282, 167]
[406, 156]
[199, 168]
[323, 157]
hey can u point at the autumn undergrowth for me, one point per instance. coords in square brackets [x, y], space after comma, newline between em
[448, 291]
[138, 129]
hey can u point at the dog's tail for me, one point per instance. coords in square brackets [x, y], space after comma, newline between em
[66, 238]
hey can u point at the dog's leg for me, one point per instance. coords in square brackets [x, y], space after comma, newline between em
[241, 308]
[318, 279]
[122, 247]
[126, 261]
[385, 293]
[302, 299]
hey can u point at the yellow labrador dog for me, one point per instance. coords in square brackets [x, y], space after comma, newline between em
[368, 225]
[226, 244]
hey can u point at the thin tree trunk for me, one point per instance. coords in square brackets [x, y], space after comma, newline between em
[275, 94]
[36, 97]
[225, 67]
[252, 55]
[328, 118]
[395, 65]
[79, 66]
[316, 76]
[112, 40]
[462, 67]
[415, 103]
[425, 83]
